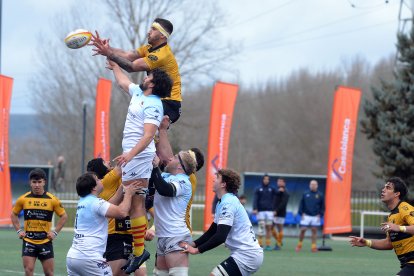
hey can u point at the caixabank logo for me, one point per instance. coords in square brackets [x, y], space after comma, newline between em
[338, 167]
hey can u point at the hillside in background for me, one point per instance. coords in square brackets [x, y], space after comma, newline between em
[23, 126]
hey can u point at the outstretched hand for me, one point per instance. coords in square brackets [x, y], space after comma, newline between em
[111, 64]
[101, 45]
[357, 241]
[123, 159]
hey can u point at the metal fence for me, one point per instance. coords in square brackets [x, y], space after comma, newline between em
[360, 201]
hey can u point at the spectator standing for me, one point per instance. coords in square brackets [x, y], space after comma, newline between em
[280, 204]
[263, 207]
[311, 209]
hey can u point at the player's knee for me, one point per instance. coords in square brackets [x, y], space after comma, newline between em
[29, 270]
[261, 228]
[158, 272]
[178, 271]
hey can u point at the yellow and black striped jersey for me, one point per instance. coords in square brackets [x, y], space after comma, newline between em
[162, 57]
[111, 183]
[38, 212]
[403, 243]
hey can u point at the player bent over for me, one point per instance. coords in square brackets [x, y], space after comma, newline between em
[232, 226]
[85, 257]
[145, 113]
[119, 242]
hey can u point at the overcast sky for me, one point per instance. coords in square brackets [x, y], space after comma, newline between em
[278, 36]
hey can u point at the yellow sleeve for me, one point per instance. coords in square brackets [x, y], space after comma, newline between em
[407, 212]
[111, 183]
[58, 208]
[193, 180]
[142, 51]
[18, 206]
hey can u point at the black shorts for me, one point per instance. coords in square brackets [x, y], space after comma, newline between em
[172, 109]
[230, 267]
[41, 251]
[407, 270]
[118, 247]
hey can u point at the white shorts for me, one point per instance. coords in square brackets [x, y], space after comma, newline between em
[307, 221]
[266, 216]
[138, 167]
[167, 245]
[80, 267]
[248, 262]
[279, 220]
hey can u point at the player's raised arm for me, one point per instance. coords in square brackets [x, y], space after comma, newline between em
[120, 77]
[103, 48]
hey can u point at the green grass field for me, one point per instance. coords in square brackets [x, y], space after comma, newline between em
[343, 260]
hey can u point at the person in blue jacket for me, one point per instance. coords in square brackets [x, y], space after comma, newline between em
[311, 209]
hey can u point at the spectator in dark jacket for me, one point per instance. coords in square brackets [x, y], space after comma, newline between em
[280, 203]
[311, 208]
[263, 207]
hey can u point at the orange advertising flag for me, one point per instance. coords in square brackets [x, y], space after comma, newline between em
[103, 103]
[222, 106]
[6, 85]
[339, 179]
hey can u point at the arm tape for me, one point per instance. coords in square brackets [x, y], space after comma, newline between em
[218, 238]
[164, 188]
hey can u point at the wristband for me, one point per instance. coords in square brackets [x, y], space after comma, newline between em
[368, 243]
[403, 229]
[54, 232]
[19, 231]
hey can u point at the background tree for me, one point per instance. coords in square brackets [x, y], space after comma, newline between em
[278, 126]
[390, 116]
[67, 78]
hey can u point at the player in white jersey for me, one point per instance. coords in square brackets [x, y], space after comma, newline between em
[145, 113]
[173, 193]
[232, 226]
[85, 257]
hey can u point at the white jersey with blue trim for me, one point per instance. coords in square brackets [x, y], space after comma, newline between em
[170, 212]
[142, 110]
[241, 237]
[91, 229]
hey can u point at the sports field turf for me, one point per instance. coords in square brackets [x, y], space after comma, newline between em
[343, 260]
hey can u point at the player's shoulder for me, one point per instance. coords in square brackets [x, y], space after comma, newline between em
[229, 198]
[135, 89]
[25, 195]
[182, 178]
[405, 206]
[50, 195]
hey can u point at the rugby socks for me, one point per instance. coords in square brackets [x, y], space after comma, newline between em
[260, 239]
[280, 238]
[268, 241]
[274, 233]
[138, 227]
[313, 246]
[299, 244]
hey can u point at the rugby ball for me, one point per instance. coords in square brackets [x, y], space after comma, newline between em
[78, 38]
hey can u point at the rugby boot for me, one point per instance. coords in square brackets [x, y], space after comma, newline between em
[137, 261]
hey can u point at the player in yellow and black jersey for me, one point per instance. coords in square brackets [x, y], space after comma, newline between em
[156, 54]
[38, 207]
[399, 228]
